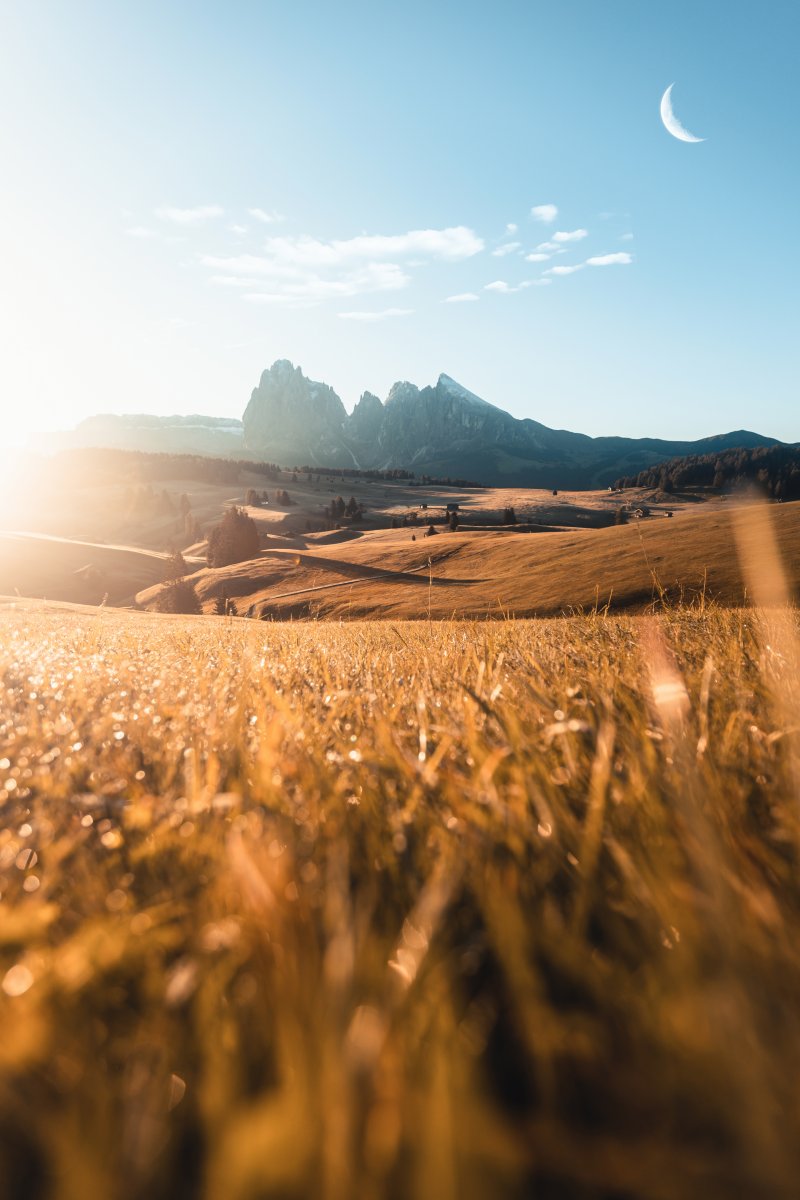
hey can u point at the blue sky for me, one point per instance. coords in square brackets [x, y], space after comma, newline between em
[193, 190]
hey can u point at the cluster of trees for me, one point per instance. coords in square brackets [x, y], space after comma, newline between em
[394, 473]
[774, 470]
[337, 510]
[450, 481]
[234, 540]
[412, 518]
[143, 501]
[253, 498]
[509, 516]
[352, 473]
[179, 595]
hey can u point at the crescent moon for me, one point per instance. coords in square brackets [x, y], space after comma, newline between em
[671, 122]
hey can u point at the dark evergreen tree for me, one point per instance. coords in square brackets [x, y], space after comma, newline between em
[234, 540]
[175, 567]
[178, 597]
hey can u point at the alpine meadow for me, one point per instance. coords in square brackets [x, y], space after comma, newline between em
[399, 788]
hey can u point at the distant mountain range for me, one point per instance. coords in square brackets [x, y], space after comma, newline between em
[443, 430]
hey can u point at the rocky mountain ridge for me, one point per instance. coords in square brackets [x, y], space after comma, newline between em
[442, 430]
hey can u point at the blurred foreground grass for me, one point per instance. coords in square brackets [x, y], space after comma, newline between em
[447, 912]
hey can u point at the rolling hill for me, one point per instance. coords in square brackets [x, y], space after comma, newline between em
[489, 573]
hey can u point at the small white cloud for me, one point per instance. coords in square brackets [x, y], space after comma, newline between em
[452, 244]
[505, 289]
[238, 229]
[511, 227]
[536, 257]
[574, 235]
[546, 213]
[506, 248]
[551, 246]
[189, 216]
[139, 231]
[303, 269]
[381, 315]
[626, 237]
[461, 298]
[564, 270]
[541, 282]
[610, 260]
[267, 218]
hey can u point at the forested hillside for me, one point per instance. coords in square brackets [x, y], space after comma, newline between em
[775, 470]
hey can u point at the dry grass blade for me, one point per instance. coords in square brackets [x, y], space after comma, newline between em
[498, 911]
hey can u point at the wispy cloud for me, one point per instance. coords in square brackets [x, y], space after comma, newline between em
[574, 235]
[537, 257]
[371, 277]
[139, 231]
[382, 315]
[511, 227]
[189, 216]
[239, 230]
[506, 248]
[461, 298]
[453, 245]
[564, 270]
[500, 285]
[609, 260]
[546, 213]
[626, 237]
[306, 269]
[265, 216]
[549, 246]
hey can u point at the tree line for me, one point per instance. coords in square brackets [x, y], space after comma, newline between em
[773, 470]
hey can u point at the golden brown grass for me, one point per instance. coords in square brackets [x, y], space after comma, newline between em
[492, 572]
[421, 911]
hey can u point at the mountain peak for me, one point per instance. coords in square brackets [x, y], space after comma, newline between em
[402, 390]
[450, 386]
[441, 429]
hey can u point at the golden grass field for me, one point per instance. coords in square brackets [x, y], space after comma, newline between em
[420, 911]
[490, 573]
[84, 545]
